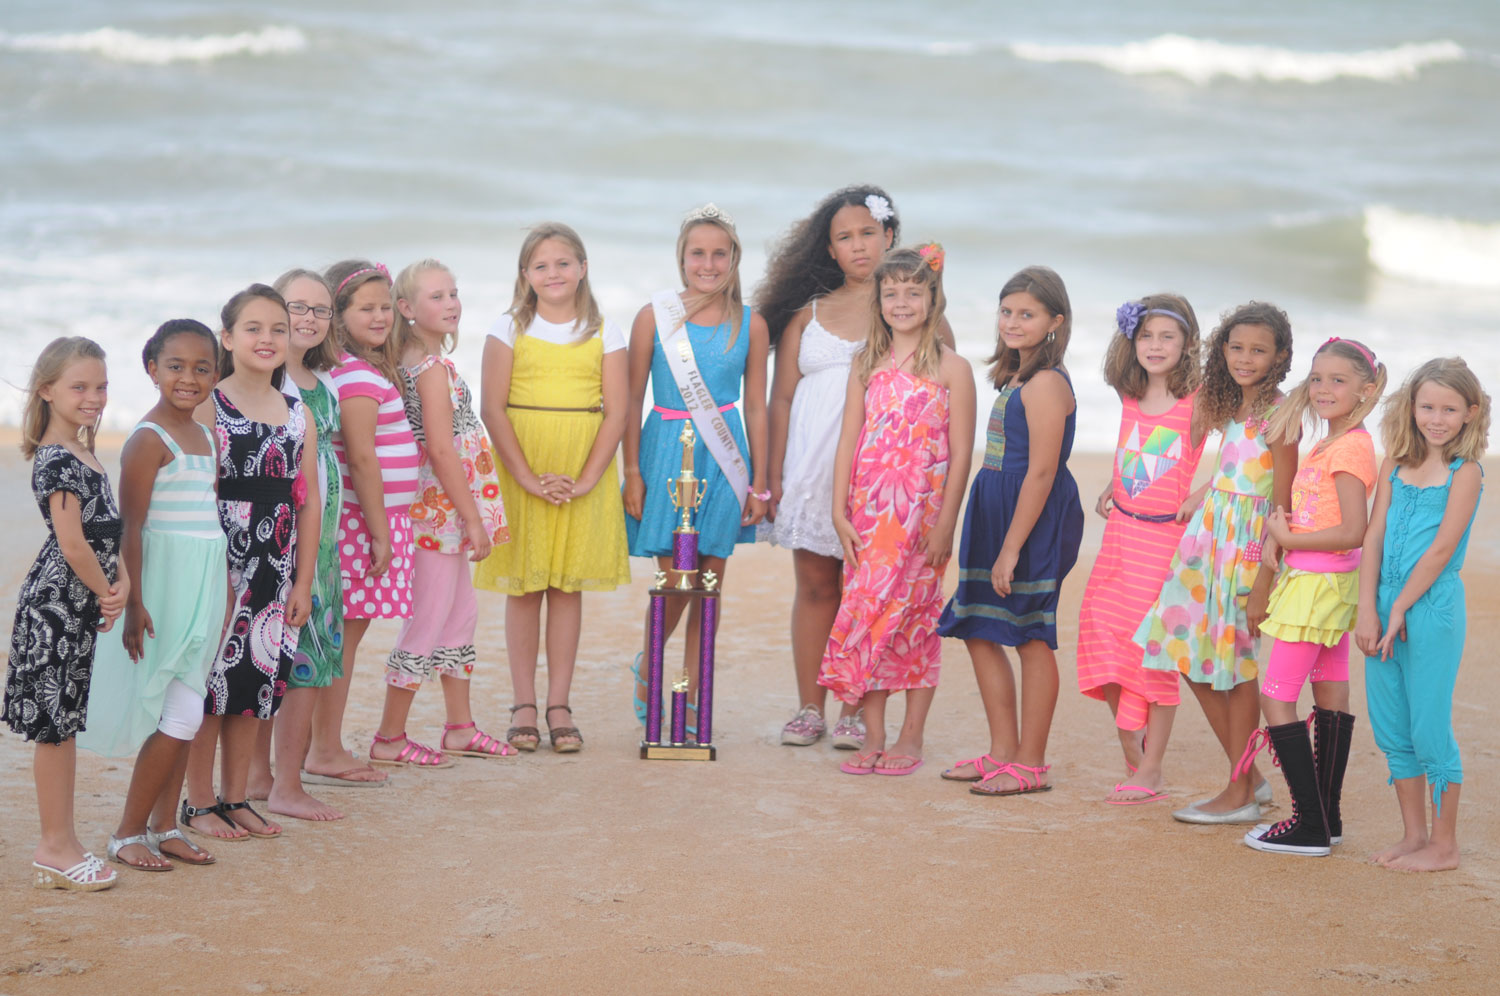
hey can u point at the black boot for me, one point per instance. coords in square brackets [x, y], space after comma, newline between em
[1333, 732]
[1306, 832]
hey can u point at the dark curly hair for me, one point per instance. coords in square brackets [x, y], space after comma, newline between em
[1220, 397]
[800, 267]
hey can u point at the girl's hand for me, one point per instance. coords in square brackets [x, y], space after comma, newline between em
[938, 545]
[1367, 631]
[1255, 607]
[848, 538]
[634, 494]
[380, 556]
[551, 487]
[579, 488]
[299, 604]
[113, 602]
[1395, 629]
[480, 544]
[1105, 503]
[1191, 504]
[1277, 526]
[775, 503]
[755, 510]
[137, 627]
[1003, 572]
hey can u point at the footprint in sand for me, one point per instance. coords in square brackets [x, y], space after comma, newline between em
[1062, 983]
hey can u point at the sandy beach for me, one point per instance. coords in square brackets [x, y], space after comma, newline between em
[767, 871]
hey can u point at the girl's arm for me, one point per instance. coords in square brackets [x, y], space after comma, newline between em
[143, 456]
[309, 533]
[783, 390]
[1283, 471]
[358, 417]
[958, 378]
[1048, 401]
[843, 464]
[494, 399]
[607, 439]
[1347, 535]
[755, 416]
[1367, 625]
[1463, 496]
[433, 388]
[642, 343]
[67, 524]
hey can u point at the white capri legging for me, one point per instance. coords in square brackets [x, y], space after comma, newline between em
[181, 711]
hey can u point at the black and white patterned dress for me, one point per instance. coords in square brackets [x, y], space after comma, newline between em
[57, 615]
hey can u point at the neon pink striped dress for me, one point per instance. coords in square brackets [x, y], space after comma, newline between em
[1154, 465]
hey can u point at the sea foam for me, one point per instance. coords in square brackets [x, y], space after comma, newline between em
[128, 46]
[1203, 60]
[1433, 250]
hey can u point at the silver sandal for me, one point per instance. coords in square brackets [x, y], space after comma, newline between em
[154, 841]
[117, 843]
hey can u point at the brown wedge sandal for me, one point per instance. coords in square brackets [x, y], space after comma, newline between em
[572, 739]
[523, 737]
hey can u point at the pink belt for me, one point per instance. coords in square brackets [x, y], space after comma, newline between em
[673, 415]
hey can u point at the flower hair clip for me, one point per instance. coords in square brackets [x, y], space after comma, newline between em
[708, 212]
[932, 254]
[1128, 318]
[880, 208]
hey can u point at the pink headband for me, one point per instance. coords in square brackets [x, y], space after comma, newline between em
[377, 268]
[1369, 356]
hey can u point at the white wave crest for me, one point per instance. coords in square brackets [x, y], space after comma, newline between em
[127, 46]
[1433, 250]
[1202, 60]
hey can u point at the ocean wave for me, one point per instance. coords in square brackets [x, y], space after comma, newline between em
[128, 46]
[1203, 60]
[1433, 250]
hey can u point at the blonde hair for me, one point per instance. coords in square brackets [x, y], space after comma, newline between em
[342, 276]
[325, 355]
[909, 266]
[1404, 442]
[587, 319]
[1123, 370]
[49, 368]
[1286, 425]
[404, 289]
[1046, 286]
[729, 294]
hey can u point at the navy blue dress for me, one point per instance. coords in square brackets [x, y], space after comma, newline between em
[1030, 611]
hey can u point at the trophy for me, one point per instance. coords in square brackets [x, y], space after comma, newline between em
[682, 581]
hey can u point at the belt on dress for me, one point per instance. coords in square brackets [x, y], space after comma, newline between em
[546, 408]
[673, 415]
[1143, 517]
[267, 490]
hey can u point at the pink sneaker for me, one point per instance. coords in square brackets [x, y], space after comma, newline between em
[805, 728]
[849, 732]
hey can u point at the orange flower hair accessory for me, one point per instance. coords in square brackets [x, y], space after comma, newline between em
[932, 253]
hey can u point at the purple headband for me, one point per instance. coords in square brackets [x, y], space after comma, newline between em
[1128, 317]
[377, 268]
[1369, 356]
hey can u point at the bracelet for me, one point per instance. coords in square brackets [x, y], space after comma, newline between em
[761, 495]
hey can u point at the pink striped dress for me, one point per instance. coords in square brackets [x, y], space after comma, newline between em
[1153, 474]
[389, 595]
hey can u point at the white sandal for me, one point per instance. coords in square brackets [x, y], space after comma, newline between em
[80, 878]
[117, 844]
[155, 840]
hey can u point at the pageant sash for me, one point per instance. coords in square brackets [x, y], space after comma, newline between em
[671, 327]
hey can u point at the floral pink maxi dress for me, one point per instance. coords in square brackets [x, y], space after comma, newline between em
[885, 634]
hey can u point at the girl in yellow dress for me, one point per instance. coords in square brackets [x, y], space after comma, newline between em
[553, 399]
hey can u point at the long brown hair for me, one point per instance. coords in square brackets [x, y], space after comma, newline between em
[910, 266]
[1220, 398]
[346, 277]
[230, 314]
[588, 320]
[1404, 442]
[49, 367]
[1123, 370]
[1046, 286]
[1286, 424]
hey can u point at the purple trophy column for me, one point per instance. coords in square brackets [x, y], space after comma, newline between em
[684, 551]
[654, 668]
[706, 668]
[679, 717]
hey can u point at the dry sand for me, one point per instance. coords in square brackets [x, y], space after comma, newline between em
[768, 871]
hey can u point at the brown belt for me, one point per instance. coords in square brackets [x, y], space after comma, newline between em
[544, 408]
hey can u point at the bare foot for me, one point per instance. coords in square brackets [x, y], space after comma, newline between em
[1140, 787]
[258, 791]
[863, 761]
[1432, 858]
[345, 767]
[295, 802]
[1402, 847]
[903, 754]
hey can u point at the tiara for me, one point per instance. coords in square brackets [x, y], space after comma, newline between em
[708, 212]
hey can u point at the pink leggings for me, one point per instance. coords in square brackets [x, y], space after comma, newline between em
[439, 636]
[1293, 663]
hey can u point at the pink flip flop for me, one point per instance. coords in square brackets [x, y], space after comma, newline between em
[1151, 796]
[916, 762]
[854, 767]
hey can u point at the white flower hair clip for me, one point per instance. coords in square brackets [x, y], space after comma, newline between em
[880, 208]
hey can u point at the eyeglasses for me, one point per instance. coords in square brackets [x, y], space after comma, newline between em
[298, 308]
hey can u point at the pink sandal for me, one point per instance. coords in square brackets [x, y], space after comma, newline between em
[1028, 779]
[481, 744]
[855, 766]
[413, 755]
[980, 772]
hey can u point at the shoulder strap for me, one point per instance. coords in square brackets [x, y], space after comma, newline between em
[162, 434]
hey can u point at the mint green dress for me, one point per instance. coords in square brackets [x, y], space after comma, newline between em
[184, 586]
[320, 647]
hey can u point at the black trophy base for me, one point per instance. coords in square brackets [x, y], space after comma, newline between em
[677, 752]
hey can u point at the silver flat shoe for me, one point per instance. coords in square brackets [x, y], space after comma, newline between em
[1263, 793]
[1249, 813]
[117, 843]
[154, 841]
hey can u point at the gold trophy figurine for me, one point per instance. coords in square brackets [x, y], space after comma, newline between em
[687, 493]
